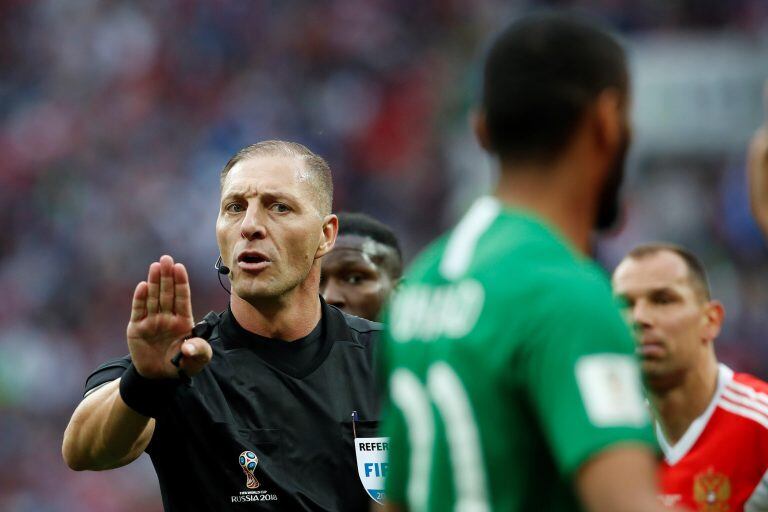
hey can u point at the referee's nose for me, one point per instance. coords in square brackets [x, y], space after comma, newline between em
[332, 293]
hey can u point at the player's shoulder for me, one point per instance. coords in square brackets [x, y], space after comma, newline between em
[427, 262]
[580, 287]
[746, 381]
[745, 396]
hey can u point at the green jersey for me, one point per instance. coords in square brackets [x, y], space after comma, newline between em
[507, 366]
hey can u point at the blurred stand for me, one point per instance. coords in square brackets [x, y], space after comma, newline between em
[116, 117]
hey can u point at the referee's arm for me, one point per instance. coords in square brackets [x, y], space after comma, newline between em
[105, 433]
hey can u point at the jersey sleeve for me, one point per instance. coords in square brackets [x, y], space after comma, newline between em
[393, 427]
[583, 378]
[106, 372]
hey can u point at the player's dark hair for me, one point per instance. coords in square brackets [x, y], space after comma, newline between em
[353, 223]
[319, 170]
[696, 273]
[540, 75]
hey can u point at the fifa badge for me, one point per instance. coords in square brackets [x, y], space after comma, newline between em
[248, 462]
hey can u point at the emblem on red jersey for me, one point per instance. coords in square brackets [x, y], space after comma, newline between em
[248, 462]
[711, 491]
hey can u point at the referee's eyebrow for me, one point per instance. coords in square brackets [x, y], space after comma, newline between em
[268, 194]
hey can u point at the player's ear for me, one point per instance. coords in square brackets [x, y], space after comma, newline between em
[328, 235]
[609, 121]
[714, 314]
[480, 128]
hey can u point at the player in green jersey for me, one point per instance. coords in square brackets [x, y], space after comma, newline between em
[510, 375]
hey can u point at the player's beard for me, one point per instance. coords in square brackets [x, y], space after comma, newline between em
[609, 207]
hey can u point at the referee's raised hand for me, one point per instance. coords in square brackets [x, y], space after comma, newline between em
[757, 171]
[161, 317]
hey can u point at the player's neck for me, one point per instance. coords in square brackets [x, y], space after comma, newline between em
[289, 317]
[679, 406]
[554, 195]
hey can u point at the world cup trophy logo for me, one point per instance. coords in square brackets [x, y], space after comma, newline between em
[248, 462]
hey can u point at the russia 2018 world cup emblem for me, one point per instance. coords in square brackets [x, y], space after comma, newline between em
[248, 462]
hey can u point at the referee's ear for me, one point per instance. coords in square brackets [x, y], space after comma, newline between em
[328, 235]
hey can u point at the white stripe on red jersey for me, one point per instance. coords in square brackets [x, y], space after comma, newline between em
[721, 462]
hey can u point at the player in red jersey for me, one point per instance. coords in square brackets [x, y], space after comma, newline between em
[711, 423]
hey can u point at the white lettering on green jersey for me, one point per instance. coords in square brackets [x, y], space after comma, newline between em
[428, 313]
[508, 366]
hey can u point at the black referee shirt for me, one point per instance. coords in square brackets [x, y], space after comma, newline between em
[267, 424]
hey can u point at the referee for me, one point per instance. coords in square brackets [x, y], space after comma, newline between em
[260, 417]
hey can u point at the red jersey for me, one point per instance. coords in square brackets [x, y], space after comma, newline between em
[721, 462]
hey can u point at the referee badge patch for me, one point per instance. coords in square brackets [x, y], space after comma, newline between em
[371, 453]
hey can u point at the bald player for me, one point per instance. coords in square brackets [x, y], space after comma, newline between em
[711, 422]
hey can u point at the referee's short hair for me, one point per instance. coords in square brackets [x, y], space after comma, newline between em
[319, 170]
[540, 75]
[353, 223]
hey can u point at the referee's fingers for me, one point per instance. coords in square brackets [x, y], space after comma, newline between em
[166, 284]
[182, 295]
[139, 303]
[197, 353]
[153, 288]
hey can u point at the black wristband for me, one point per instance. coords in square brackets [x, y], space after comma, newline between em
[148, 397]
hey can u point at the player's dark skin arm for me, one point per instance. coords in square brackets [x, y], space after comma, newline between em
[620, 479]
[104, 432]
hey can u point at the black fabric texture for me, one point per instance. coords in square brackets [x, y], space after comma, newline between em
[287, 403]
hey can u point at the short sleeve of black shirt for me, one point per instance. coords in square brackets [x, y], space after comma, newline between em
[107, 372]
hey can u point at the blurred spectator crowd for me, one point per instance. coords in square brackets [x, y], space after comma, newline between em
[116, 118]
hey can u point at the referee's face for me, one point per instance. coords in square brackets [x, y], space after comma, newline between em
[674, 324]
[269, 229]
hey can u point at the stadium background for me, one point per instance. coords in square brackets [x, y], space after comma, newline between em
[116, 117]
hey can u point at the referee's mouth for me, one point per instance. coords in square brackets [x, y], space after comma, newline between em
[252, 261]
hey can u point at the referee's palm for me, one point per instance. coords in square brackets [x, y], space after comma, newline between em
[161, 317]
